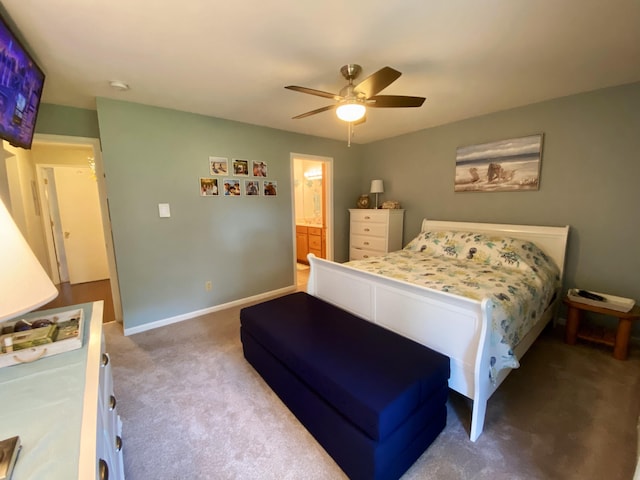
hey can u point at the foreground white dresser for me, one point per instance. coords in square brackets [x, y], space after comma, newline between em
[374, 232]
[64, 410]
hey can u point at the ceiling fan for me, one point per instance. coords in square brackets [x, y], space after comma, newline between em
[352, 101]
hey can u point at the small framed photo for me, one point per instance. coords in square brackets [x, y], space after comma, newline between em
[231, 187]
[241, 167]
[208, 187]
[270, 188]
[251, 187]
[218, 166]
[259, 169]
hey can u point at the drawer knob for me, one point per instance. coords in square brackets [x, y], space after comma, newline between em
[112, 402]
[105, 360]
[367, 217]
[366, 229]
[103, 469]
[118, 443]
[365, 256]
[366, 243]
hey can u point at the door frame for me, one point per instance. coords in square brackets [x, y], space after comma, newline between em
[53, 201]
[328, 203]
[94, 143]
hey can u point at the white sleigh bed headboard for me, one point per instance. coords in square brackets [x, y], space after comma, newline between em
[552, 240]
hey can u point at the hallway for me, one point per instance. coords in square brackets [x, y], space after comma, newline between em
[101, 290]
[82, 293]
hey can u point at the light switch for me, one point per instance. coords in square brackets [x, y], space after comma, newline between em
[163, 209]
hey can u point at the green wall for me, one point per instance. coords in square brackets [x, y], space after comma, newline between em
[589, 180]
[71, 121]
[244, 245]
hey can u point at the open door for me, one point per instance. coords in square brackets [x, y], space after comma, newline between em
[81, 224]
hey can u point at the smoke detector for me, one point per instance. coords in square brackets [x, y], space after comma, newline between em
[118, 85]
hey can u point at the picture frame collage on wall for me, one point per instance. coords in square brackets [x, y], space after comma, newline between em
[221, 181]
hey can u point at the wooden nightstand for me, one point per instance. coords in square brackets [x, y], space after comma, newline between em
[619, 339]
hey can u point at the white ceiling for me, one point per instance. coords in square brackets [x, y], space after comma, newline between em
[231, 59]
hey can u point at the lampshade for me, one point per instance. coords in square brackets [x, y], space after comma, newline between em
[351, 111]
[24, 285]
[376, 186]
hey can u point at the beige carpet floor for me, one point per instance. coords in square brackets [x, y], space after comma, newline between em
[193, 408]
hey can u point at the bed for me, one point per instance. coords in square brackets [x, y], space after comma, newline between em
[473, 331]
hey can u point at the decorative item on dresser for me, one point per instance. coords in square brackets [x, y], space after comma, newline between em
[390, 204]
[375, 232]
[363, 201]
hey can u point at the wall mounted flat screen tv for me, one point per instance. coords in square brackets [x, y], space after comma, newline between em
[21, 83]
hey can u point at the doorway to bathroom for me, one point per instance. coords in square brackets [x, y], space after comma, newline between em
[313, 208]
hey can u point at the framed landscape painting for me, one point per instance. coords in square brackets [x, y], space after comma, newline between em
[505, 166]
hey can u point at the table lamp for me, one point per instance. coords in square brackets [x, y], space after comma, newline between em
[24, 285]
[377, 187]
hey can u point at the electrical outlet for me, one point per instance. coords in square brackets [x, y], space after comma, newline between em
[208, 286]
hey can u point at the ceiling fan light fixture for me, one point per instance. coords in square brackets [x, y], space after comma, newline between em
[351, 111]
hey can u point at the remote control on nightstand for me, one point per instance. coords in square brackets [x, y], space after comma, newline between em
[591, 296]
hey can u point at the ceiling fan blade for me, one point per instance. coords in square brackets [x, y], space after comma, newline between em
[311, 91]
[377, 82]
[318, 110]
[391, 101]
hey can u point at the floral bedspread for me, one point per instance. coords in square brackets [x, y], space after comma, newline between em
[515, 274]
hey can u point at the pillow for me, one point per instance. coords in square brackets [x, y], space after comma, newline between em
[483, 249]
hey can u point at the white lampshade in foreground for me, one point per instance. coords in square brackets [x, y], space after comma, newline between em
[24, 285]
[351, 112]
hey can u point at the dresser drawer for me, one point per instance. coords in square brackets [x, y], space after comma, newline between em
[372, 229]
[370, 216]
[314, 231]
[359, 254]
[315, 242]
[369, 243]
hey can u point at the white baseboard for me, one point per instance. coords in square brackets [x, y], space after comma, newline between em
[205, 311]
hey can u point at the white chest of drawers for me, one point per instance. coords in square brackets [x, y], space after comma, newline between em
[64, 409]
[374, 232]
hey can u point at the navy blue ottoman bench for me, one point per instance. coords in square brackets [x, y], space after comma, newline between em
[373, 399]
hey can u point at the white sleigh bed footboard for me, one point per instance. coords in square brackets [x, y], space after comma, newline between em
[452, 325]
[455, 326]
